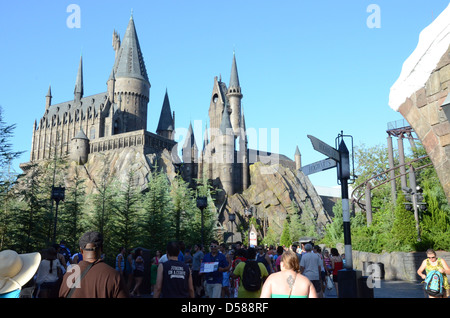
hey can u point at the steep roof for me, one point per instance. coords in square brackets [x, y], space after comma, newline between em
[234, 77]
[129, 61]
[165, 119]
[79, 82]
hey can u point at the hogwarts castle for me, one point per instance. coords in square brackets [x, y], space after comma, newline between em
[114, 124]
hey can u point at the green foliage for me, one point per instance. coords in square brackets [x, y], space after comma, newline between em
[285, 238]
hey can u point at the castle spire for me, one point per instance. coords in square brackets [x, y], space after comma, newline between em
[48, 98]
[129, 61]
[234, 77]
[165, 125]
[79, 90]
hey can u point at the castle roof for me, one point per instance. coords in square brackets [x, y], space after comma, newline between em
[129, 61]
[234, 78]
[71, 110]
[165, 119]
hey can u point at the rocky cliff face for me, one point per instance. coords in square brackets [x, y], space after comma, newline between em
[274, 191]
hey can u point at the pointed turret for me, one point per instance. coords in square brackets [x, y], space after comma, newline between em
[79, 90]
[166, 124]
[235, 96]
[190, 150]
[48, 98]
[298, 159]
[129, 61]
[131, 82]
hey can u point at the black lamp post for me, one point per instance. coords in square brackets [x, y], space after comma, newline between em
[202, 203]
[232, 218]
[58, 194]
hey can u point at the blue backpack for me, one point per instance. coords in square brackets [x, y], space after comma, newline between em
[434, 283]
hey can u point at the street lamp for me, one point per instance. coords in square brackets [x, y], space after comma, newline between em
[232, 218]
[202, 203]
[58, 194]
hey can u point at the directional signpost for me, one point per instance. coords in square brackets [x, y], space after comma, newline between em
[339, 158]
[319, 166]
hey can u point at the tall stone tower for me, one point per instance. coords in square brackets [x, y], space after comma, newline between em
[234, 97]
[129, 81]
[225, 161]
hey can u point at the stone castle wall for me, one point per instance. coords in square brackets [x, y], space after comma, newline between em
[424, 113]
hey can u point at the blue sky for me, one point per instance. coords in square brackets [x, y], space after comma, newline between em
[305, 67]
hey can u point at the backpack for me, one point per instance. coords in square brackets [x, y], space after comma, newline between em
[251, 277]
[434, 283]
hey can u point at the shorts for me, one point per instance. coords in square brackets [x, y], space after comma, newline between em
[226, 279]
[196, 279]
[317, 286]
[213, 290]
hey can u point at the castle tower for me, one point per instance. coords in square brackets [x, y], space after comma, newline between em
[131, 83]
[79, 148]
[243, 149]
[190, 156]
[79, 90]
[235, 96]
[225, 153]
[298, 159]
[166, 125]
[48, 98]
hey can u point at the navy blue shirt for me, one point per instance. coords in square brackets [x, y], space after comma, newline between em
[215, 277]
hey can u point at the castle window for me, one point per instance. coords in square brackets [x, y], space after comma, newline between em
[92, 135]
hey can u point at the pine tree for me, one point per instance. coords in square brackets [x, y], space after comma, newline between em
[404, 229]
[158, 209]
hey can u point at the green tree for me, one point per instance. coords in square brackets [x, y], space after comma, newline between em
[126, 217]
[285, 238]
[158, 210]
[403, 232]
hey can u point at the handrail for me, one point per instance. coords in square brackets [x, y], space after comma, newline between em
[361, 205]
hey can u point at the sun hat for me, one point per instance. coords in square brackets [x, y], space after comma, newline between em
[17, 269]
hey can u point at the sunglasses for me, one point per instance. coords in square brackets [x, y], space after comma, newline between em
[432, 257]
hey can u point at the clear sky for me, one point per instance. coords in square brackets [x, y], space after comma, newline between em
[305, 67]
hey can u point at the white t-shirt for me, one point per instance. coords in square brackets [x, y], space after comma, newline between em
[43, 274]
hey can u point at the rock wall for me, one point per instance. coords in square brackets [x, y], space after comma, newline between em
[424, 113]
[396, 265]
[273, 191]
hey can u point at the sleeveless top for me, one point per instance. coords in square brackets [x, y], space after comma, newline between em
[287, 296]
[175, 280]
[438, 265]
[337, 266]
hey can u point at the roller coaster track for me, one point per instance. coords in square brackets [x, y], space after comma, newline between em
[364, 184]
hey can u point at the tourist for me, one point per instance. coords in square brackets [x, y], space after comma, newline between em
[120, 261]
[310, 266]
[196, 262]
[174, 279]
[138, 272]
[92, 277]
[240, 271]
[48, 275]
[264, 258]
[214, 264]
[336, 265]
[432, 262]
[288, 282]
[16, 270]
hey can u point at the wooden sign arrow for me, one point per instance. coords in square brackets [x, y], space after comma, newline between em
[319, 166]
[323, 148]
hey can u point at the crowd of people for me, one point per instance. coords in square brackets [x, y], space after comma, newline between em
[223, 271]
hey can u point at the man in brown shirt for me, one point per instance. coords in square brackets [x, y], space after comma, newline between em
[92, 278]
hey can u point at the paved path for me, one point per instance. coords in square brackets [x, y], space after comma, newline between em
[392, 289]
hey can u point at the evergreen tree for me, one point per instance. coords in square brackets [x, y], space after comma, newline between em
[72, 216]
[158, 210]
[403, 232]
[126, 217]
[285, 238]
